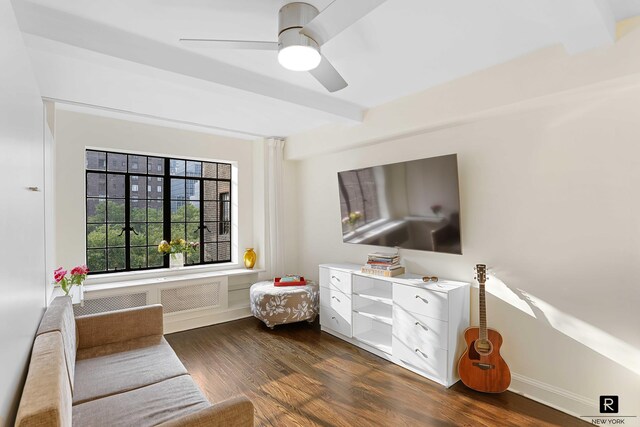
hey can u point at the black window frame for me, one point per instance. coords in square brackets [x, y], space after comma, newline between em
[222, 203]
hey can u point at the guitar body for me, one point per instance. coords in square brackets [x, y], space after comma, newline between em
[483, 369]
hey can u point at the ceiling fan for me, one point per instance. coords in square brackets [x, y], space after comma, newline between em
[302, 29]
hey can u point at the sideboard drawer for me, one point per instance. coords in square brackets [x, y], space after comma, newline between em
[336, 300]
[421, 301]
[335, 278]
[331, 319]
[430, 360]
[416, 330]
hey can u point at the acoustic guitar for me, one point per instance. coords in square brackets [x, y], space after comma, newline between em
[481, 367]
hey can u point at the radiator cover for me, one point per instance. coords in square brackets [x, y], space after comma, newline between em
[110, 303]
[192, 297]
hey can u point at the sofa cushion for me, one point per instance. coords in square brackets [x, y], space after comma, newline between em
[119, 325]
[118, 367]
[46, 398]
[59, 317]
[146, 406]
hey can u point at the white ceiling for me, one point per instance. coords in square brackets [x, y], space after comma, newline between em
[125, 54]
[623, 9]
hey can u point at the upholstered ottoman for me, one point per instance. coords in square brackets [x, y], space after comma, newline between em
[277, 305]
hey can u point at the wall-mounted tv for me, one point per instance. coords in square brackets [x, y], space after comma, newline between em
[412, 205]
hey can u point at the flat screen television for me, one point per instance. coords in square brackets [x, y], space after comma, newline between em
[412, 205]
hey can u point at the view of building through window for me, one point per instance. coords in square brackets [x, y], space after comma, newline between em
[360, 187]
[136, 201]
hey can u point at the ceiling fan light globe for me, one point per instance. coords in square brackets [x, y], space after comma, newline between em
[299, 58]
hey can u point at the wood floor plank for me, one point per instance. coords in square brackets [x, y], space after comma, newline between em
[297, 375]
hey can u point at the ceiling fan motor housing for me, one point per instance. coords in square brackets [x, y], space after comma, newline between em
[291, 18]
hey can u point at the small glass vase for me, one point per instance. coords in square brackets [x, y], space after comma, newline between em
[250, 258]
[176, 260]
[66, 288]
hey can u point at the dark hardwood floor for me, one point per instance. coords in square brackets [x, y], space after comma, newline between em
[298, 376]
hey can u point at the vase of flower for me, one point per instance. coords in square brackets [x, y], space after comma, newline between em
[77, 277]
[176, 260]
[351, 220]
[177, 249]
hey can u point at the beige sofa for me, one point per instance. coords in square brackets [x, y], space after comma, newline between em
[114, 369]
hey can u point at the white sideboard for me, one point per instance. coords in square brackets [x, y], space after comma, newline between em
[416, 325]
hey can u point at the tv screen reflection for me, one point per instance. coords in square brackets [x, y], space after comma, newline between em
[412, 205]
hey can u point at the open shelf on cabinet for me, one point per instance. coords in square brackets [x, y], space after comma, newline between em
[370, 329]
[373, 289]
[376, 311]
[376, 339]
[376, 294]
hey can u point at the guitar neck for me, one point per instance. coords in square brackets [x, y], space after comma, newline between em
[483, 312]
[481, 277]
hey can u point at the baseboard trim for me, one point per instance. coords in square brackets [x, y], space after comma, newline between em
[177, 325]
[552, 396]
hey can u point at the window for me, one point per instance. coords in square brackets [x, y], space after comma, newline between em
[225, 213]
[361, 190]
[132, 207]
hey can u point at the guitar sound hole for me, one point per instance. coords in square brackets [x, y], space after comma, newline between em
[483, 347]
[473, 354]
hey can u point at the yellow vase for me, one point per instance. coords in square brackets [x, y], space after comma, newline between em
[250, 258]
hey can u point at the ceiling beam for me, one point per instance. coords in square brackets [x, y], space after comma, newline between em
[87, 34]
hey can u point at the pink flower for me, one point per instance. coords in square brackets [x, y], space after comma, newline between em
[59, 274]
[80, 270]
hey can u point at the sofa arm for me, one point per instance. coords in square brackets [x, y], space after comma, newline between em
[234, 412]
[121, 325]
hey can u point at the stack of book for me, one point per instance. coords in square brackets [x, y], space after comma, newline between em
[383, 264]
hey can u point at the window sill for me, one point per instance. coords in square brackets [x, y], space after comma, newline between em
[154, 277]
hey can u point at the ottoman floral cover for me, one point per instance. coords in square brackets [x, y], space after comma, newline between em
[277, 305]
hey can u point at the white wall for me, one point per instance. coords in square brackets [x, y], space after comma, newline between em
[549, 199]
[75, 131]
[49, 195]
[21, 212]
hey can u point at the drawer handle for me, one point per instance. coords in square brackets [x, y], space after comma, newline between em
[423, 300]
[334, 277]
[333, 317]
[421, 353]
[335, 298]
[422, 326]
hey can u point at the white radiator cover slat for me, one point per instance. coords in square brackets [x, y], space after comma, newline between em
[191, 297]
[111, 303]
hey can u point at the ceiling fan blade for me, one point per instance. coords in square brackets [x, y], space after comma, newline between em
[328, 76]
[230, 44]
[337, 17]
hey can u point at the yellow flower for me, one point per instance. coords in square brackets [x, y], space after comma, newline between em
[164, 247]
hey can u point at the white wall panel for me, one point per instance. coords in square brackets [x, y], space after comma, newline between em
[21, 212]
